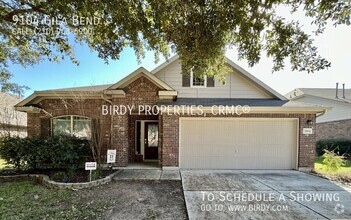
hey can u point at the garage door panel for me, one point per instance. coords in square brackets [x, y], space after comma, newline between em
[237, 143]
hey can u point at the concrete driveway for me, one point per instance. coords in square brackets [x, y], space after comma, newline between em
[263, 195]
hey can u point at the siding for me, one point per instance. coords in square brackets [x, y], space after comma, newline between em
[236, 86]
[339, 111]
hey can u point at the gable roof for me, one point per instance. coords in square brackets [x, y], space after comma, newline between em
[255, 80]
[164, 64]
[239, 69]
[96, 91]
[325, 93]
[135, 75]
[255, 105]
[81, 88]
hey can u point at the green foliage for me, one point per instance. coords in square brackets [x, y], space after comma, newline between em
[332, 161]
[11, 151]
[96, 174]
[50, 152]
[7, 86]
[340, 145]
[61, 176]
[199, 31]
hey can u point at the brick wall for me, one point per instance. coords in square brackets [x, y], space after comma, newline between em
[306, 145]
[334, 129]
[140, 92]
[170, 140]
[122, 138]
[40, 125]
[33, 124]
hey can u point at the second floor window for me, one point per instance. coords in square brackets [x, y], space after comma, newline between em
[198, 81]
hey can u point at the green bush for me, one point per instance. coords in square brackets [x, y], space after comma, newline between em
[96, 174]
[12, 152]
[62, 152]
[61, 176]
[332, 161]
[340, 146]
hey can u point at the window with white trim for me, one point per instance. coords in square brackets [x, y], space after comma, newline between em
[198, 81]
[77, 126]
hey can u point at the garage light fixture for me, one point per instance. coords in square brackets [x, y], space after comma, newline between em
[309, 122]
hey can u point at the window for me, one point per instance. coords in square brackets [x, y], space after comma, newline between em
[198, 81]
[72, 125]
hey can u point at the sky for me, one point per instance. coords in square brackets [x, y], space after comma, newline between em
[334, 45]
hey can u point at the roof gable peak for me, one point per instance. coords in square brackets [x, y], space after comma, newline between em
[141, 71]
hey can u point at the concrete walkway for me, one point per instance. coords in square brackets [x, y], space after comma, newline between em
[263, 195]
[147, 174]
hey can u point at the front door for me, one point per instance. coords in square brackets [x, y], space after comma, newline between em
[151, 141]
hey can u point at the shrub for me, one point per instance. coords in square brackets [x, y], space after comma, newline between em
[12, 152]
[332, 161]
[341, 146]
[63, 152]
[96, 174]
[60, 176]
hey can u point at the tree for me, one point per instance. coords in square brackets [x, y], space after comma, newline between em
[9, 87]
[198, 30]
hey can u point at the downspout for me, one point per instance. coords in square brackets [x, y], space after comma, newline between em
[102, 96]
[111, 124]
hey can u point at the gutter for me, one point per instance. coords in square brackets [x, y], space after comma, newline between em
[28, 109]
[257, 109]
[322, 113]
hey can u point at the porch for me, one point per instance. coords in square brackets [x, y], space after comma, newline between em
[140, 166]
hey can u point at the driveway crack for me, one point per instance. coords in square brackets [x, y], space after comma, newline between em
[252, 177]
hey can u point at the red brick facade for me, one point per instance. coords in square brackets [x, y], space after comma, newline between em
[119, 130]
[307, 143]
[140, 92]
[334, 129]
[40, 125]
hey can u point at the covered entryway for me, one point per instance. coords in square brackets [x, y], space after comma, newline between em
[146, 139]
[238, 143]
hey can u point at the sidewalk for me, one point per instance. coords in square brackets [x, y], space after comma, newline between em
[147, 174]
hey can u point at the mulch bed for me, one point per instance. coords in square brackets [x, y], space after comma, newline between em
[346, 180]
[57, 175]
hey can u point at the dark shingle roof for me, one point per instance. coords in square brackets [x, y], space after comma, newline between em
[209, 102]
[225, 101]
[82, 88]
[327, 93]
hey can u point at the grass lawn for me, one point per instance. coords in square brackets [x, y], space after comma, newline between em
[116, 200]
[2, 164]
[320, 167]
[27, 200]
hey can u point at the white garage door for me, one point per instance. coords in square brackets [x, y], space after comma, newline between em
[237, 143]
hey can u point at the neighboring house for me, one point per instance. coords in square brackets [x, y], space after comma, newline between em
[336, 122]
[272, 135]
[12, 122]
